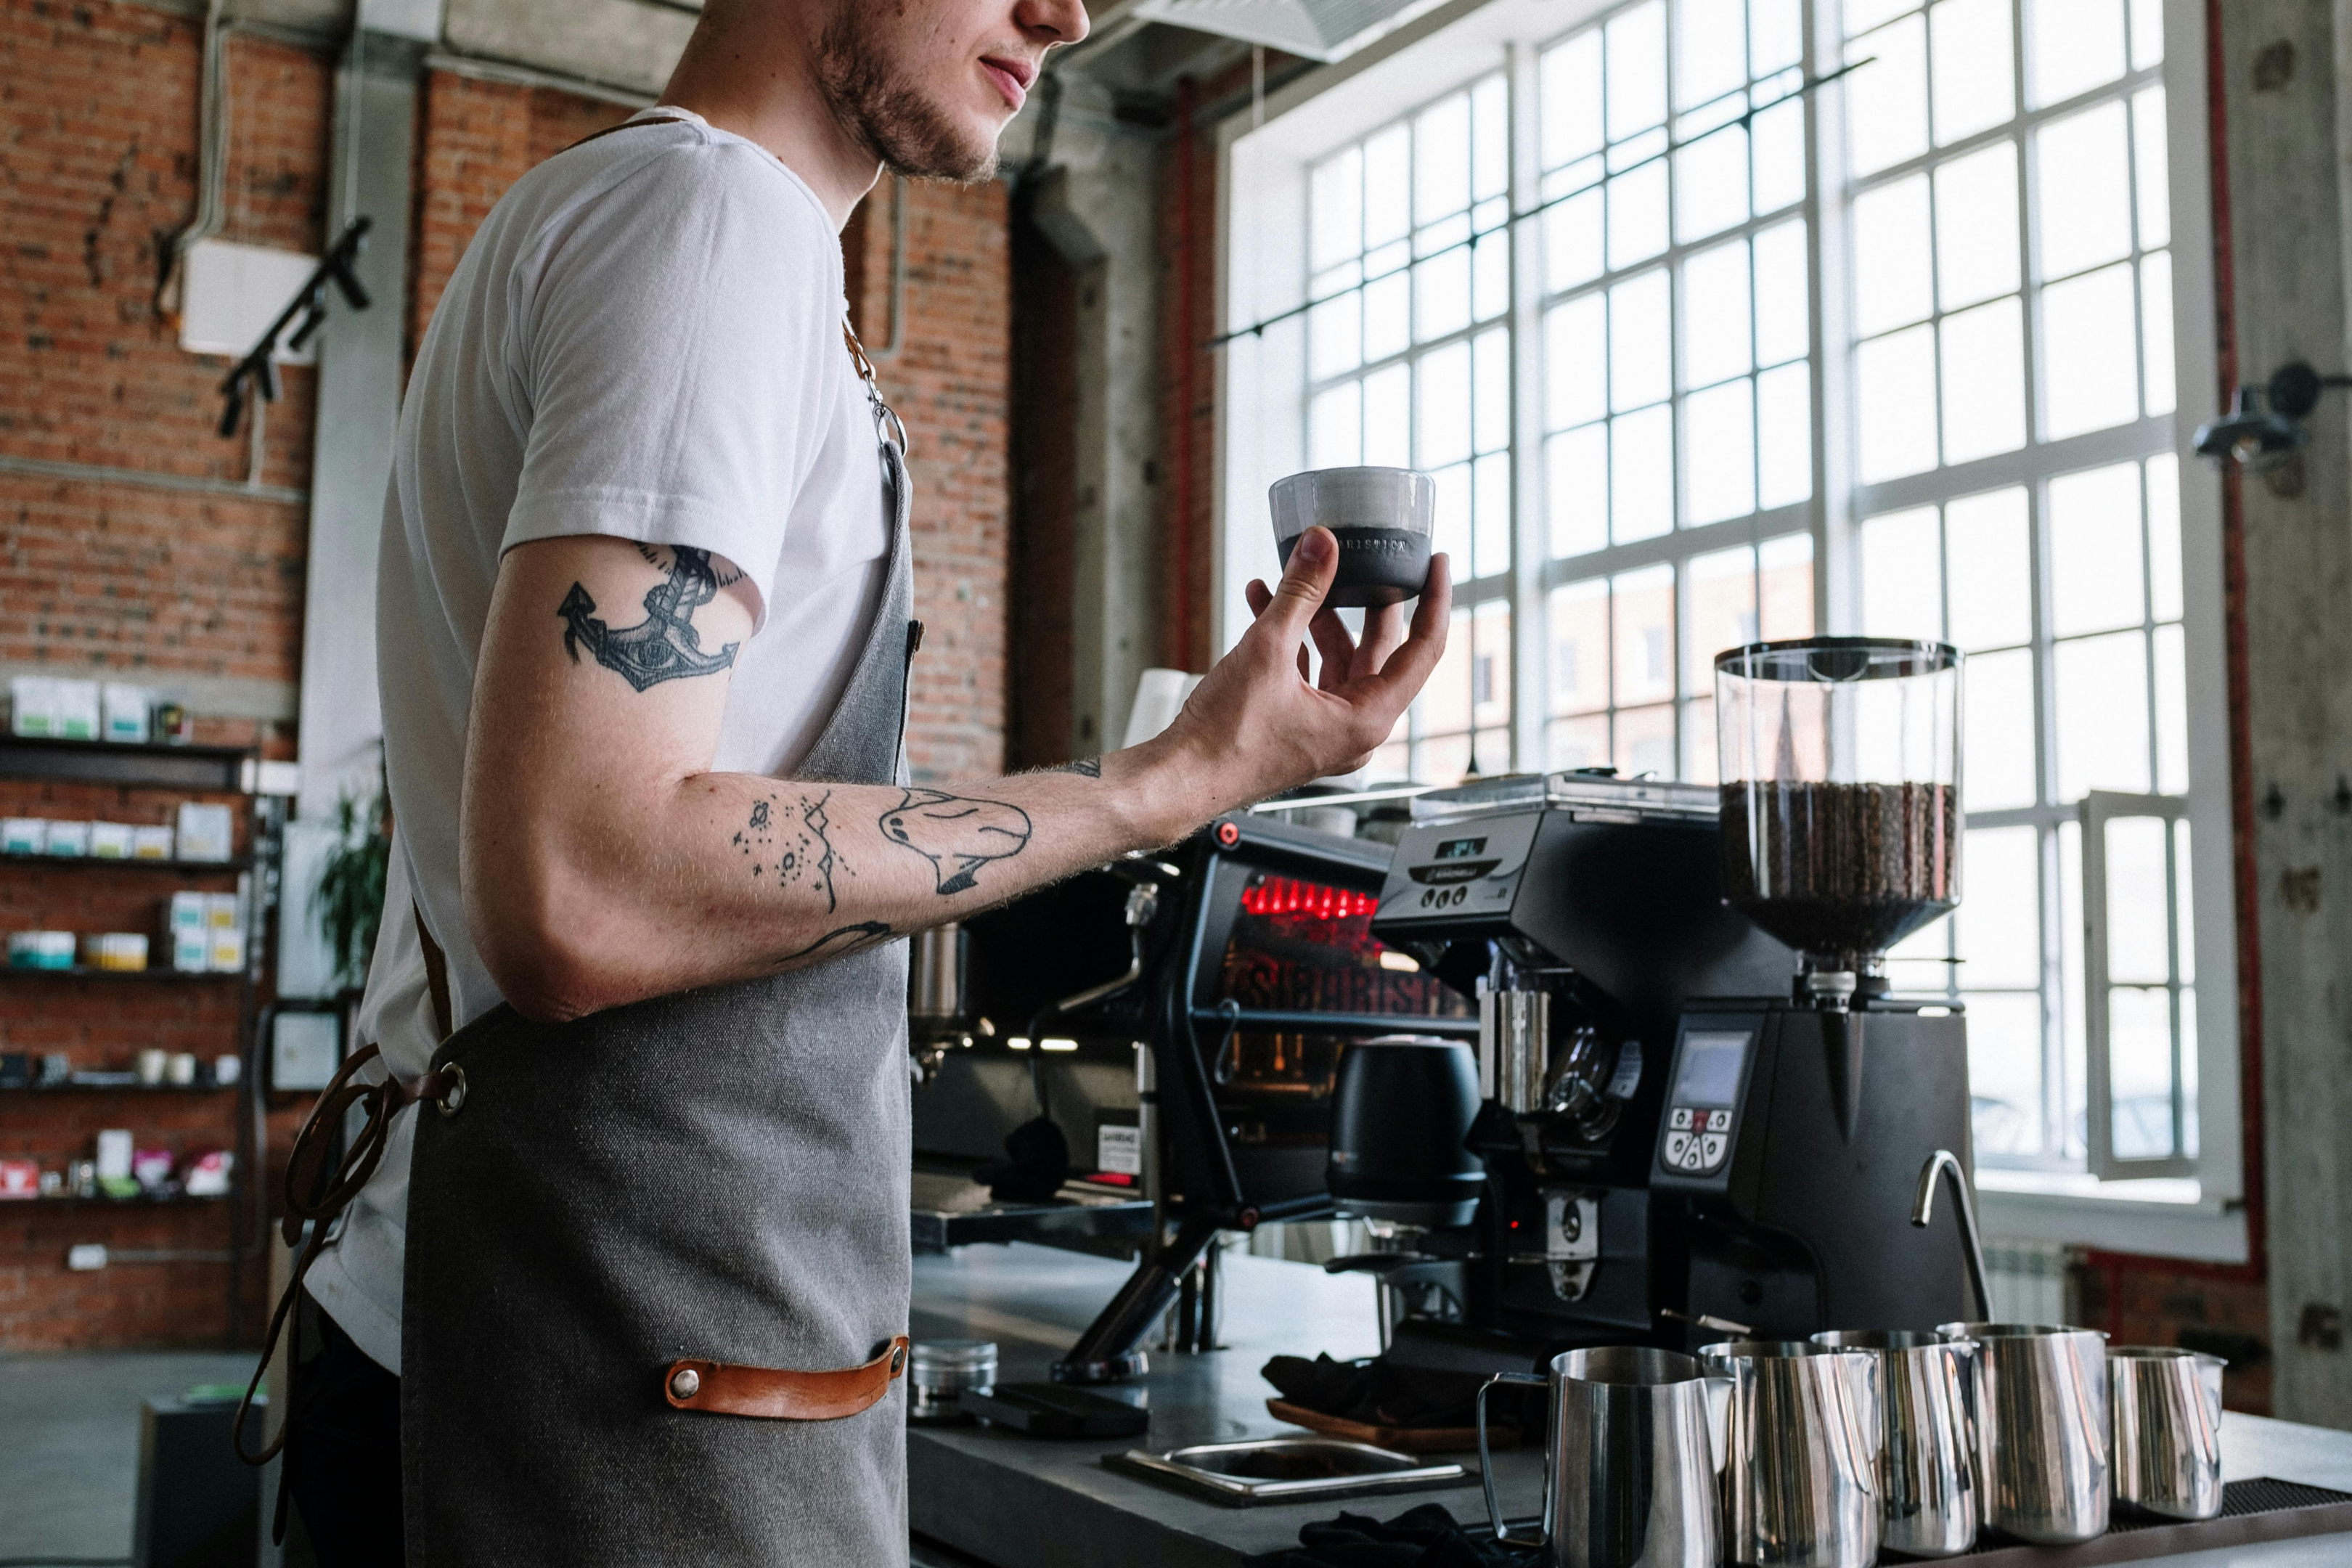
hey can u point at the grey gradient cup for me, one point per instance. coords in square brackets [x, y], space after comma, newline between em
[2042, 1429]
[2165, 1409]
[1382, 519]
[1926, 1468]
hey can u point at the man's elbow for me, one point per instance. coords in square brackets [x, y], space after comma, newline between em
[538, 937]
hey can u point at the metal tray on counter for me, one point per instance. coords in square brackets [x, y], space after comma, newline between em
[950, 1209]
[1288, 1469]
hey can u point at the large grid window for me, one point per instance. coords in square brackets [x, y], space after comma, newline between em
[1409, 363]
[2013, 382]
[1678, 388]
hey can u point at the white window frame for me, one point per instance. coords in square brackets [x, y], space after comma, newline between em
[1260, 435]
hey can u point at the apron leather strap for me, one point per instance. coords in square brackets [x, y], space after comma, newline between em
[770, 1395]
[436, 975]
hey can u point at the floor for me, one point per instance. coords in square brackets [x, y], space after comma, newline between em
[69, 1461]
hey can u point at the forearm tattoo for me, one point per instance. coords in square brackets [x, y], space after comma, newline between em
[794, 843]
[841, 940]
[957, 834]
[664, 645]
[1085, 767]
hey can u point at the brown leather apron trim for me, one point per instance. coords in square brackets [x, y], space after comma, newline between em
[436, 975]
[719, 1389]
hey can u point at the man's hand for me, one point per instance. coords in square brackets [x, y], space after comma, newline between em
[1256, 726]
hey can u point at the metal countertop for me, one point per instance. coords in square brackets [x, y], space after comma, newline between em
[1015, 1501]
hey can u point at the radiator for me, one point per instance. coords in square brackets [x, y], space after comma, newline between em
[2029, 1282]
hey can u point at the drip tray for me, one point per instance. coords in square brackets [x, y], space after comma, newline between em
[1288, 1469]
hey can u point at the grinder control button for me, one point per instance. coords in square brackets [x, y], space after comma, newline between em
[1678, 1147]
[1681, 1119]
[1711, 1150]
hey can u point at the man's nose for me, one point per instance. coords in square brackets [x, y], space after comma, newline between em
[1057, 21]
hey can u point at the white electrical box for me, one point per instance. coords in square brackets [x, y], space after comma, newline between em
[230, 293]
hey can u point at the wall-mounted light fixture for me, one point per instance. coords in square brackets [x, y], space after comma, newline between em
[2265, 425]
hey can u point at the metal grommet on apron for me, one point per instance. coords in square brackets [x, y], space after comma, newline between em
[626, 1232]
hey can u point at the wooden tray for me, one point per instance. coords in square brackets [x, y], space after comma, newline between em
[1397, 1439]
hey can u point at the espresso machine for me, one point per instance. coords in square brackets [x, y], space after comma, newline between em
[1704, 1111]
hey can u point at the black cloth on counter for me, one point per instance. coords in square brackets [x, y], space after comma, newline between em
[1036, 1163]
[1424, 1537]
[1379, 1395]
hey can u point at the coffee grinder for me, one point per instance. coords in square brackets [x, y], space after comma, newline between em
[1704, 1111]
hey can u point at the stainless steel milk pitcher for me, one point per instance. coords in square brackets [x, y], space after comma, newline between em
[1926, 1466]
[2167, 1430]
[1630, 1464]
[1800, 1487]
[2042, 1429]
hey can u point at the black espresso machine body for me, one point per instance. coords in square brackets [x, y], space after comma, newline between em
[1702, 1181]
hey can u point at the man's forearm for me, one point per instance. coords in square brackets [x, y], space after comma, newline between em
[734, 875]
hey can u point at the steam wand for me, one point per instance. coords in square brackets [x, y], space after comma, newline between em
[1923, 1209]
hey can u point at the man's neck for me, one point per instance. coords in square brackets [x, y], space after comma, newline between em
[754, 78]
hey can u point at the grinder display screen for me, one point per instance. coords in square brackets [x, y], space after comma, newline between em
[1298, 946]
[1710, 1070]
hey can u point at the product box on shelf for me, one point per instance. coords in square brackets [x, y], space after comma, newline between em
[68, 838]
[24, 835]
[110, 840]
[124, 709]
[206, 1175]
[190, 937]
[150, 843]
[120, 951]
[19, 1179]
[206, 831]
[50, 707]
[40, 949]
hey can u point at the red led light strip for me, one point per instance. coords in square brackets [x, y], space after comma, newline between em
[1287, 895]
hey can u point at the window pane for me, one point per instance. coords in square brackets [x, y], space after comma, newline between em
[1335, 335]
[2068, 1004]
[1388, 304]
[1999, 722]
[2095, 550]
[2164, 534]
[1776, 35]
[1388, 405]
[1711, 185]
[1490, 138]
[1784, 436]
[2082, 169]
[1897, 396]
[1645, 635]
[1892, 283]
[1861, 15]
[2075, 45]
[2005, 1072]
[1699, 741]
[1451, 529]
[1721, 478]
[1984, 381]
[1492, 523]
[1641, 358]
[2102, 721]
[2091, 379]
[1974, 83]
[2148, 166]
[1575, 473]
[1443, 762]
[1490, 666]
[1490, 277]
[1445, 407]
[2139, 904]
[2171, 712]
[1386, 183]
[2156, 330]
[1710, 49]
[1637, 70]
[1576, 742]
[1886, 101]
[1715, 327]
[1576, 362]
[1999, 917]
[1784, 317]
[1777, 142]
[2184, 905]
[1494, 397]
[1572, 242]
[1444, 704]
[2139, 1073]
[1902, 577]
[1991, 598]
[1441, 159]
[1441, 293]
[1976, 226]
[1645, 741]
[1722, 613]
[1637, 215]
[1335, 426]
[1784, 567]
[2147, 33]
[1337, 209]
[1577, 616]
[1571, 99]
[1642, 475]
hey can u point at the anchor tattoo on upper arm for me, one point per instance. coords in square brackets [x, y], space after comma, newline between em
[957, 834]
[664, 645]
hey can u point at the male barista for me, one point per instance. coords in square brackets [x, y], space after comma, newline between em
[628, 1284]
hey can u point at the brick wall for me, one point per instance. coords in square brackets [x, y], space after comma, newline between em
[1188, 228]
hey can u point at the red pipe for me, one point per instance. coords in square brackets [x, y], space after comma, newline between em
[1179, 639]
[2245, 879]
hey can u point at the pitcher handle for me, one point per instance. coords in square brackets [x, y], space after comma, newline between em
[1486, 1461]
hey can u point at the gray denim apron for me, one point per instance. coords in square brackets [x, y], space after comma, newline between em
[720, 1174]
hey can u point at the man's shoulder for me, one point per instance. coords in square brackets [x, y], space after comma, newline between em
[671, 170]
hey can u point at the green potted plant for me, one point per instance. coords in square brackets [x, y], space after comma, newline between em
[348, 901]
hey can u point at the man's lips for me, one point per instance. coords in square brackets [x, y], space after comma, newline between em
[1011, 79]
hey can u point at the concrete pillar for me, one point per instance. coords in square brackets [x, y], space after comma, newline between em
[2281, 63]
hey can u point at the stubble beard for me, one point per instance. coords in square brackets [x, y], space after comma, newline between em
[905, 131]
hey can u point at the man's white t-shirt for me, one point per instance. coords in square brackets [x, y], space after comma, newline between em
[644, 340]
